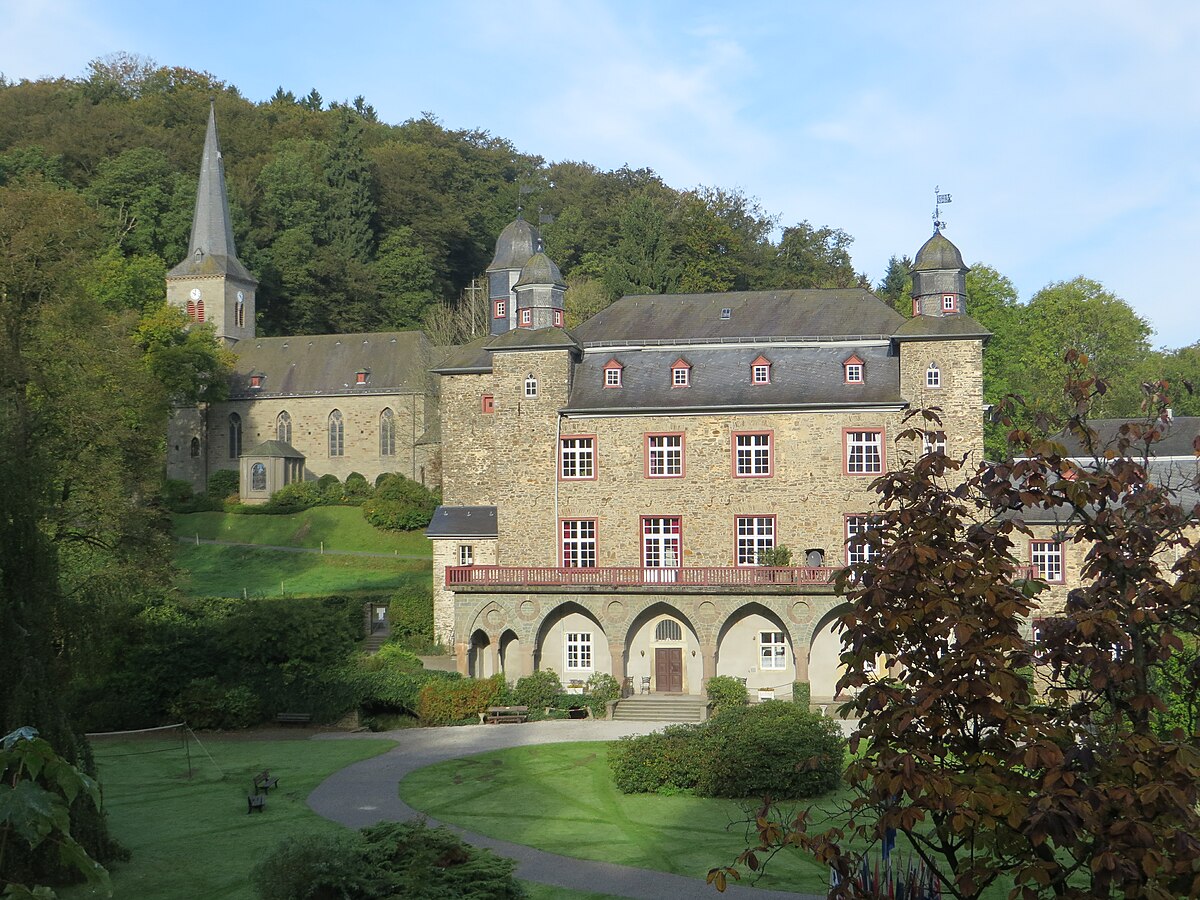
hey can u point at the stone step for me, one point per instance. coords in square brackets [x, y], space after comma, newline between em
[660, 708]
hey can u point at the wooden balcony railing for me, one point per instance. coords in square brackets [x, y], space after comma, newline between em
[638, 576]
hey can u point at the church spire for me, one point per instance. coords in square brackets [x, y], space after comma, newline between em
[211, 250]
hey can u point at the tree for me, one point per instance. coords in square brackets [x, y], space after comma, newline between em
[895, 288]
[352, 206]
[816, 257]
[1075, 789]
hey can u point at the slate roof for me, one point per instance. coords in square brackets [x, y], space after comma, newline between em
[275, 450]
[211, 249]
[463, 522]
[929, 328]
[469, 359]
[1176, 442]
[326, 364]
[938, 253]
[540, 270]
[801, 377]
[530, 339]
[776, 314]
[516, 244]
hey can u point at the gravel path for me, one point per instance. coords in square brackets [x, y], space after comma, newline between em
[366, 793]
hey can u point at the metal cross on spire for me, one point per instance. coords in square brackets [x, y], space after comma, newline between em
[939, 199]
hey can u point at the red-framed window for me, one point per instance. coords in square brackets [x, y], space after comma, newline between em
[526, 317]
[755, 535]
[558, 318]
[612, 373]
[863, 451]
[256, 382]
[578, 545]
[664, 455]
[853, 371]
[752, 454]
[360, 377]
[760, 371]
[681, 373]
[577, 458]
[487, 404]
[499, 309]
[949, 303]
[662, 542]
[1046, 557]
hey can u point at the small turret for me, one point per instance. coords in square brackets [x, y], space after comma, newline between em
[517, 243]
[540, 291]
[939, 278]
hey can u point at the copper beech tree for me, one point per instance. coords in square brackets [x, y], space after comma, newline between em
[1040, 767]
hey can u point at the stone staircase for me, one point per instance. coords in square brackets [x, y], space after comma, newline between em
[372, 642]
[661, 708]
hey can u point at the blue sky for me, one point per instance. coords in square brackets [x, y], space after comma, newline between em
[1067, 132]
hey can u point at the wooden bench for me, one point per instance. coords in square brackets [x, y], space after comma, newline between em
[293, 718]
[263, 782]
[255, 801]
[503, 714]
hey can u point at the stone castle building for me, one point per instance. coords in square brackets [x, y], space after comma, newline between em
[298, 407]
[612, 492]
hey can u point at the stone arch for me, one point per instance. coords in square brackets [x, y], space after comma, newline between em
[572, 658]
[824, 652]
[480, 655]
[510, 655]
[649, 653]
[742, 653]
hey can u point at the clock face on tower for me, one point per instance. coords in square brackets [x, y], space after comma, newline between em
[241, 296]
[195, 294]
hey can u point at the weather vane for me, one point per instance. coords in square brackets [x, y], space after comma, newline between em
[937, 208]
[522, 190]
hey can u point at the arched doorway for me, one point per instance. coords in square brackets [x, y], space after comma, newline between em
[754, 644]
[664, 652]
[824, 656]
[510, 655]
[479, 655]
[572, 643]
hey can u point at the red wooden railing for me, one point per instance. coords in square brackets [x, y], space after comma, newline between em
[638, 576]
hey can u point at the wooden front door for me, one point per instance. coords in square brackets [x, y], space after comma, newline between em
[668, 670]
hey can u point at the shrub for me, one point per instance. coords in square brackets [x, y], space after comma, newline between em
[539, 690]
[664, 761]
[383, 476]
[410, 616]
[775, 556]
[726, 692]
[778, 749]
[603, 687]
[206, 703]
[356, 489]
[388, 690]
[177, 495]
[399, 504]
[313, 867]
[223, 483]
[416, 862]
[443, 702]
[330, 489]
[802, 694]
[398, 658]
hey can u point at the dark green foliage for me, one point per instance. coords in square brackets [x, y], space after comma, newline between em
[293, 498]
[802, 694]
[224, 660]
[538, 690]
[223, 483]
[389, 689]
[400, 504]
[177, 496]
[330, 488]
[313, 867]
[413, 861]
[356, 489]
[447, 702]
[725, 691]
[775, 749]
[410, 616]
[778, 555]
[603, 687]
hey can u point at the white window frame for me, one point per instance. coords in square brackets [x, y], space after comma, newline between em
[854, 373]
[526, 316]
[612, 377]
[753, 452]
[933, 441]
[772, 652]
[466, 555]
[577, 651]
[858, 551]
[1046, 558]
[558, 318]
[662, 542]
[577, 539]
[760, 374]
[681, 376]
[500, 309]
[949, 303]
[577, 458]
[864, 452]
[755, 535]
[933, 376]
[531, 388]
[664, 456]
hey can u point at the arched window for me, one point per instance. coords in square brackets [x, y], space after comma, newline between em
[933, 376]
[668, 630]
[337, 434]
[191, 310]
[387, 433]
[258, 477]
[283, 427]
[200, 311]
[235, 435]
[195, 447]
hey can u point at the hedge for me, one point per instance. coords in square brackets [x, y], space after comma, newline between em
[445, 702]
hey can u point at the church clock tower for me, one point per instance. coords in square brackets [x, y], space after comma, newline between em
[211, 284]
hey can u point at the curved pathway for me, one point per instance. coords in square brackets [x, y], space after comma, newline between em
[366, 793]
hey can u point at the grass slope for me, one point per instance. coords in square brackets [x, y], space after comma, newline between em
[193, 838]
[338, 527]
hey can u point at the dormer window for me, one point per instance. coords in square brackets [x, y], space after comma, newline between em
[853, 370]
[681, 373]
[949, 303]
[726, 312]
[612, 374]
[933, 376]
[760, 371]
[360, 377]
[256, 382]
[526, 317]
[499, 309]
[558, 318]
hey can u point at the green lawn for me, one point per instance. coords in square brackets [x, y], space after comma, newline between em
[338, 527]
[213, 570]
[192, 839]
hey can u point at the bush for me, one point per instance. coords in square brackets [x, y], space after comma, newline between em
[726, 692]
[664, 761]
[207, 704]
[392, 655]
[389, 690]
[399, 504]
[356, 489]
[603, 687]
[330, 489]
[802, 694]
[538, 691]
[293, 498]
[413, 861]
[313, 867]
[443, 702]
[223, 483]
[776, 556]
[772, 748]
[177, 494]
[410, 616]
[384, 476]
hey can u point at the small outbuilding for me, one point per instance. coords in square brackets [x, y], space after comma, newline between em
[267, 468]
